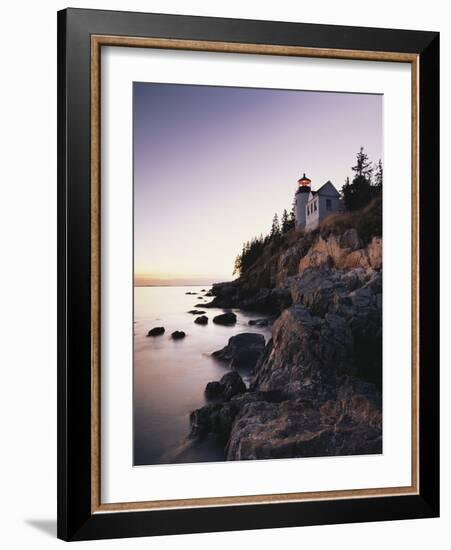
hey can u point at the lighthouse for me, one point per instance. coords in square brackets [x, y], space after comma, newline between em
[300, 200]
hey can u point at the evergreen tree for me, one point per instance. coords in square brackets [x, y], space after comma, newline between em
[250, 253]
[359, 193]
[363, 167]
[292, 217]
[378, 176]
[285, 221]
[275, 228]
[345, 188]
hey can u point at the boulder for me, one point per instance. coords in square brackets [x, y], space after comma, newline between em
[231, 384]
[196, 312]
[267, 300]
[242, 350]
[304, 349]
[178, 335]
[228, 318]
[350, 239]
[157, 331]
[343, 252]
[357, 258]
[202, 320]
[215, 419]
[294, 428]
[315, 259]
[213, 390]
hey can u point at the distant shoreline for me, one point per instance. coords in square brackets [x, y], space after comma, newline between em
[169, 285]
[178, 284]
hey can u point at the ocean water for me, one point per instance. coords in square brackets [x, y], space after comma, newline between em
[169, 377]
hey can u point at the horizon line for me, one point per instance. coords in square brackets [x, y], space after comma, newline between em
[178, 281]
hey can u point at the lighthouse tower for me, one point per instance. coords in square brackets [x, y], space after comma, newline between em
[300, 200]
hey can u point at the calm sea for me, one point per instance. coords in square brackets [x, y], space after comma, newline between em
[170, 376]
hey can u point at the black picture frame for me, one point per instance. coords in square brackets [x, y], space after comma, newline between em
[76, 521]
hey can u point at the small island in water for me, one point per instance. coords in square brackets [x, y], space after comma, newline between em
[283, 361]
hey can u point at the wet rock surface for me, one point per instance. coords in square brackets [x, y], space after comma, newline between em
[227, 318]
[242, 350]
[231, 384]
[156, 331]
[178, 335]
[202, 320]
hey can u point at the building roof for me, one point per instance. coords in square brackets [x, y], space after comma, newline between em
[328, 189]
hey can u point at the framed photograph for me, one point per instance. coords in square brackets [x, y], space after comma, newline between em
[248, 274]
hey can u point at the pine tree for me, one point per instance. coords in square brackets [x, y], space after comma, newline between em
[379, 176]
[363, 167]
[345, 187]
[275, 228]
[285, 221]
[359, 193]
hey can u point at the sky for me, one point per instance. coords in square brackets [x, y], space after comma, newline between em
[213, 164]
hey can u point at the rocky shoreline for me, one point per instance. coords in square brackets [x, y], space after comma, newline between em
[316, 384]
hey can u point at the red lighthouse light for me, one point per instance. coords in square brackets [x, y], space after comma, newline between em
[304, 181]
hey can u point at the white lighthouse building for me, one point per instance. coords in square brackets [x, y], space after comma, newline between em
[300, 201]
[312, 207]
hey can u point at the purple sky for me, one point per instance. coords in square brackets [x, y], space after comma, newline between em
[213, 164]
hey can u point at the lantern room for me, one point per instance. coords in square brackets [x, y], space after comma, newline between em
[304, 181]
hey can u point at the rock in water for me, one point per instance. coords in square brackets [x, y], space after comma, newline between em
[231, 384]
[216, 418]
[228, 318]
[202, 320]
[157, 331]
[213, 390]
[243, 350]
[178, 335]
[196, 312]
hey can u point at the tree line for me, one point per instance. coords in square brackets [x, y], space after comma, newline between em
[366, 185]
[252, 249]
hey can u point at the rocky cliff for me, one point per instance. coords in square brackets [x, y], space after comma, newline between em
[316, 385]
